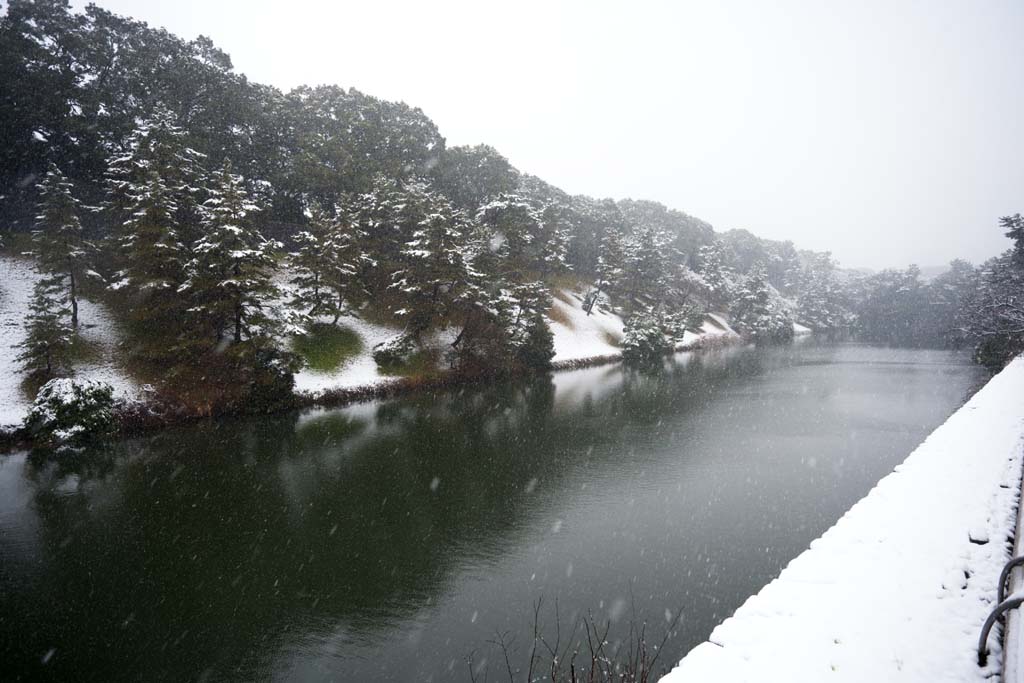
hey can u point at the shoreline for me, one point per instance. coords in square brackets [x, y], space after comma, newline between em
[137, 418]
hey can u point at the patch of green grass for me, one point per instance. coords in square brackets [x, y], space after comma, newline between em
[84, 350]
[326, 347]
[423, 363]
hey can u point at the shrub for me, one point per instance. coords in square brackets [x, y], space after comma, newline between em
[395, 351]
[273, 379]
[644, 340]
[538, 344]
[71, 413]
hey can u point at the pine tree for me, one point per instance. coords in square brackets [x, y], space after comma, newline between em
[610, 267]
[646, 264]
[48, 340]
[756, 310]
[1014, 227]
[715, 273]
[433, 271]
[514, 226]
[59, 244]
[819, 303]
[229, 277]
[315, 263]
[152, 186]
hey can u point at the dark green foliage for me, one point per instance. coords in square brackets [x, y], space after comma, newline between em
[395, 351]
[271, 380]
[59, 246]
[71, 413]
[229, 277]
[47, 345]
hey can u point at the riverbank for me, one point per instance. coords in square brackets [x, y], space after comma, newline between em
[899, 588]
[581, 340]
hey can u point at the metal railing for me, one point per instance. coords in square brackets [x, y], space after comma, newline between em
[1003, 604]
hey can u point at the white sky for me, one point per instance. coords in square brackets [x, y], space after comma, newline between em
[888, 132]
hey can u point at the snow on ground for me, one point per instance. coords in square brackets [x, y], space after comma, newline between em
[714, 327]
[97, 326]
[896, 590]
[17, 278]
[582, 335]
[359, 371]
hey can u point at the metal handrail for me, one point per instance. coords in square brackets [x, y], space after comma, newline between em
[1005, 575]
[1006, 605]
[1003, 604]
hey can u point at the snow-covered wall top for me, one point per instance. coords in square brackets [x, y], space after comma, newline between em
[898, 589]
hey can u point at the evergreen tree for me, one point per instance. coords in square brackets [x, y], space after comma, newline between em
[715, 273]
[757, 312]
[152, 186]
[434, 270]
[610, 267]
[820, 301]
[646, 264]
[229, 278]
[1014, 227]
[59, 244]
[318, 266]
[48, 335]
[514, 226]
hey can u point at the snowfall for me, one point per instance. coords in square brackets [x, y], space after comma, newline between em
[899, 588]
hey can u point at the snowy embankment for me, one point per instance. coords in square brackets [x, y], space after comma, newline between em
[899, 588]
[97, 329]
[578, 337]
[581, 337]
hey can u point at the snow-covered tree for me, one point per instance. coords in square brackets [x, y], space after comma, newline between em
[152, 187]
[230, 276]
[716, 274]
[322, 270]
[433, 268]
[611, 260]
[60, 248]
[820, 302]
[48, 334]
[757, 310]
[515, 228]
[645, 338]
[646, 264]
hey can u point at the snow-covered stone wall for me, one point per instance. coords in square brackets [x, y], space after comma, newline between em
[899, 588]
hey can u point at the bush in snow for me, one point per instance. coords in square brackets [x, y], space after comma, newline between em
[70, 412]
[272, 380]
[644, 340]
[395, 351]
[538, 344]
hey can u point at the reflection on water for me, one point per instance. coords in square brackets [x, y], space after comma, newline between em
[387, 540]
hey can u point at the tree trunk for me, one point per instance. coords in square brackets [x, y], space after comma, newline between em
[74, 301]
[238, 323]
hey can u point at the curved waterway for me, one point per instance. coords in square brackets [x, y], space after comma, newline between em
[388, 541]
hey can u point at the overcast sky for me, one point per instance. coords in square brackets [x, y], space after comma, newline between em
[886, 132]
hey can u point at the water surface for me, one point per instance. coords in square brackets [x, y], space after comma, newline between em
[387, 541]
